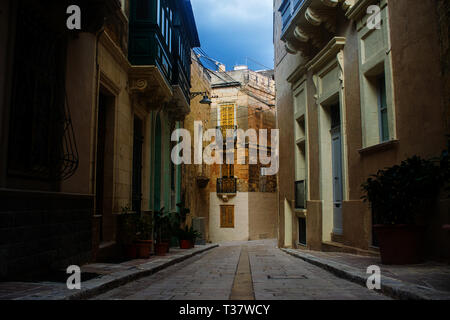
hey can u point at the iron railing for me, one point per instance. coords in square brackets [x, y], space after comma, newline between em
[223, 130]
[226, 185]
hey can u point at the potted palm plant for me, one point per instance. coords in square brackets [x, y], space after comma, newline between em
[183, 212]
[127, 233]
[398, 195]
[187, 237]
[162, 225]
[144, 236]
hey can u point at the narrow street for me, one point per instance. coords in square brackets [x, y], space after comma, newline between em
[251, 270]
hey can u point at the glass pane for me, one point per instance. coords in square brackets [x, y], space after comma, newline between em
[384, 126]
[158, 12]
[302, 230]
[335, 116]
[382, 101]
[142, 10]
[300, 196]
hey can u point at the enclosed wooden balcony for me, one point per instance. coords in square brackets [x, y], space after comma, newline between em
[226, 185]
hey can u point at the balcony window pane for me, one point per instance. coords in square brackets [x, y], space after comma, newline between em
[142, 10]
[158, 12]
[300, 195]
[383, 110]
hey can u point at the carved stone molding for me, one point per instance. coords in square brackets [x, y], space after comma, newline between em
[328, 52]
[331, 3]
[290, 48]
[340, 60]
[148, 87]
[301, 35]
[314, 23]
[294, 47]
[357, 8]
[178, 107]
[347, 4]
[313, 17]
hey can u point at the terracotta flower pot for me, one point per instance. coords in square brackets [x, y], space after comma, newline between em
[400, 244]
[144, 248]
[161, 249]
[131, 251]
[186, 244]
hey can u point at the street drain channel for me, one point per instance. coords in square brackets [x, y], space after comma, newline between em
[302, 277]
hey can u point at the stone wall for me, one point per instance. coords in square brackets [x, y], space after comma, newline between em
[240, 232]
[41, 232]
[420, 103]
[262, 212]
[197, 198]
[443, 10]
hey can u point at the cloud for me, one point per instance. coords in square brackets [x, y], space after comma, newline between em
[240, 11]
[231, 30]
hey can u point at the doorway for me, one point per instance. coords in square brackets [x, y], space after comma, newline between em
[158, 162]
[105, 166]
[336, 159]
[302, 231]
[138, 141]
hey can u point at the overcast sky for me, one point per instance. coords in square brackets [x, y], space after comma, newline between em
[231, 30]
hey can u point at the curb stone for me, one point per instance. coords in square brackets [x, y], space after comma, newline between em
[391, 287]
[108, 282]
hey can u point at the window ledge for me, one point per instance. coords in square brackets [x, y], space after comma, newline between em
[379, 147]
[301, 213]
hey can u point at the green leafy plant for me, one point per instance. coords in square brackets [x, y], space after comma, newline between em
[128, 222]
[162, 225]
[444, 163]
[183, 211]
[144, 227]
[188, 233]
[398, 193]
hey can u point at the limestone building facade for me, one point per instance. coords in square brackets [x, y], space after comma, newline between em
[238, 203]
[101, 104]
[353, 97]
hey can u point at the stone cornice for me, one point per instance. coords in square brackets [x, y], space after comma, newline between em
[326, 54]
[148, 86]
[359, 9]
[115, 51]
[297, 74]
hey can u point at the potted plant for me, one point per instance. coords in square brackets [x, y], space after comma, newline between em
[144, 236]
[128, 233]
[162, 223]
[183, 212]
[202, 181]
[187, 237]
[397, 196]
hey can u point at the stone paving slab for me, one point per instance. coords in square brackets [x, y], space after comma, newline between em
[111, 276]
[280, 276]
[208, 276]
[213, 275]
[402, 282]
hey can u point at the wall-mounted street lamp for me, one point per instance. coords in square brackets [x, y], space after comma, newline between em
[205, 100]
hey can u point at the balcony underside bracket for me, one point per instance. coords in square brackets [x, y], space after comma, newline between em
[148, 87]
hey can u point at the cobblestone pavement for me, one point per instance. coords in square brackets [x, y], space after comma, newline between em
[211, 276]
